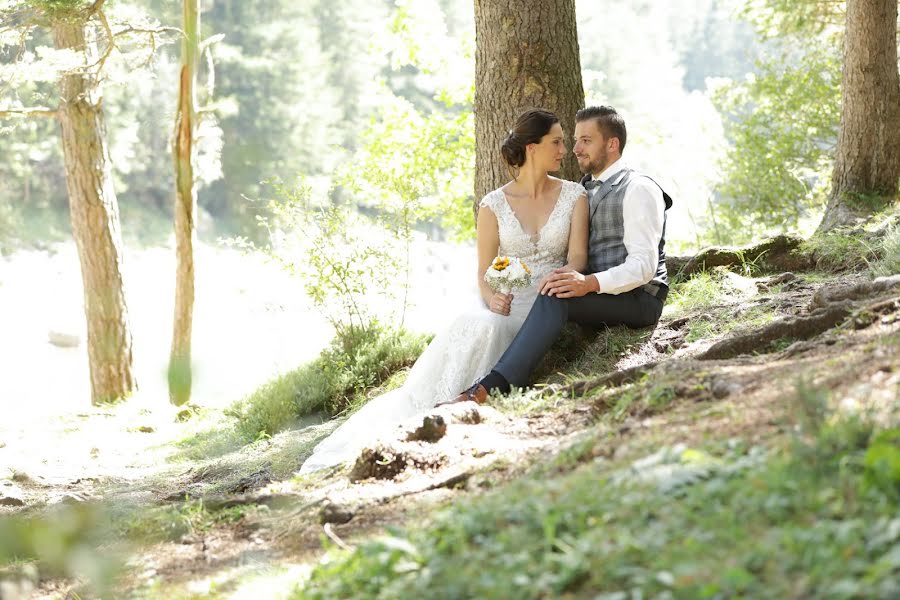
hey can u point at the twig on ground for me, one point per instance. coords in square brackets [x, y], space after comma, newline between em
[334, 538]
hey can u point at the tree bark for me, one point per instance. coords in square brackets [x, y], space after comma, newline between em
[867, 166]
[526, 56]
[185, 203]
[95, 221]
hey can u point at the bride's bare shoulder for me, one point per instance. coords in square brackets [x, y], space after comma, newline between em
[565, 182]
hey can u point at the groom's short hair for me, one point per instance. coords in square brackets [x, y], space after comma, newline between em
[610, 122]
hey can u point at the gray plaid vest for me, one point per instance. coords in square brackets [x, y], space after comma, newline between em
[606, 246]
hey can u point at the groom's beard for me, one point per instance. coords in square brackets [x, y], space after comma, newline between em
[596, 166]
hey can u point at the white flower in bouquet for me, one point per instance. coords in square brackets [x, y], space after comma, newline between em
[507, 273]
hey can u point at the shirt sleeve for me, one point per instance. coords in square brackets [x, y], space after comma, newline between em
[642, 216]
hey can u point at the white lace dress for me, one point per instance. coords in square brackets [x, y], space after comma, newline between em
[469, 347]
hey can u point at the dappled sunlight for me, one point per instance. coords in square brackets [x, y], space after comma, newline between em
[262, 580]
[328, 295]
[252, 321]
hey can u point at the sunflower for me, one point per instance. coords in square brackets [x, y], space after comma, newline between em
[500, 263]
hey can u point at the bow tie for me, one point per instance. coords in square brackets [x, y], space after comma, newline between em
[589, 185]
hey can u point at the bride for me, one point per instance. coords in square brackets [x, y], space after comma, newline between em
[538, 218]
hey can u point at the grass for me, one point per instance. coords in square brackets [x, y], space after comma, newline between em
[812, 518]
[839, 252]
[172, 522]
[581, 351]
[703, 290]
[337, 381]
[713, 292]
[727, 321]
[644, 398]
[888, 262]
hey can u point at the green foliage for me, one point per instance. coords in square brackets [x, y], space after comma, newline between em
[135, 75]
[643, 398]
[337, 380]
[57, 9]
[783, 124]
[713, 302]
[882, 463]
[888, 261]
[170, 523]
[10, 222]
[725, 321]
[839, 250]
[349, 263]
[64, 542]
[786, 17]
[682, 523]
[703, 290]
[282, 112]
[416, 167]
[842, 249]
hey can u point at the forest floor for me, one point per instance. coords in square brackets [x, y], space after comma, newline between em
[194, 513]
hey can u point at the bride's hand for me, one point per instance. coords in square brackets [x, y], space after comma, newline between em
[500, 303]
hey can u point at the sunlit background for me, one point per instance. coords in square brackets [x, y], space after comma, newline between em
[335, 95]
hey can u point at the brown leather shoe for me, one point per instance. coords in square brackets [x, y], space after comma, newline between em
[477, 393]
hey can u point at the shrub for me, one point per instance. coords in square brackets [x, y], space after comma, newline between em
[354, 363]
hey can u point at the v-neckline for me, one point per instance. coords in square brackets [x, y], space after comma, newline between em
[536, 236]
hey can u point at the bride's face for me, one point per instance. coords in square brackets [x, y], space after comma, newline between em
[549, 152]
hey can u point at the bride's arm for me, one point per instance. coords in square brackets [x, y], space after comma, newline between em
[578, 237]
[487, 234]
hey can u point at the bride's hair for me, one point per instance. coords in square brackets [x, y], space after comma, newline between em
[530, 127]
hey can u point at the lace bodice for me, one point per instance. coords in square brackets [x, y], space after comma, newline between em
[548, 248]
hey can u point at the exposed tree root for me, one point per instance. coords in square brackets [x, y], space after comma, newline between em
[780, 253]
[799, 328]
[819, 321]
[827, 295]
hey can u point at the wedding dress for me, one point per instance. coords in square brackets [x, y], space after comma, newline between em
[470, 346]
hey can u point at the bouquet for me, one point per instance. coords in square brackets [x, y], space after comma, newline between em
[507, 273]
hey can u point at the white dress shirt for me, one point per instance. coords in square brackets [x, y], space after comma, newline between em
[642, 217]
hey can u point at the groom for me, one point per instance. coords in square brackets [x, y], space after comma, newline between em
[626, 282]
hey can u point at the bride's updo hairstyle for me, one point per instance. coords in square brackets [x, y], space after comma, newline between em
[530, 127]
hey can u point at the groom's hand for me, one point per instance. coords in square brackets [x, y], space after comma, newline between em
[566, 283]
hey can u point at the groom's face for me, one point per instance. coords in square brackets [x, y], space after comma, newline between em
[591, 148]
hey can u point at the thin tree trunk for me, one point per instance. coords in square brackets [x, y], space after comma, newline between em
[867, 166]
[526, 57]
[185, 202]
[95, 222]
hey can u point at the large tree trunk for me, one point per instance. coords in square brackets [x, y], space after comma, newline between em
[526, 57]
[185, 202]
[867, 166]
[95, 222]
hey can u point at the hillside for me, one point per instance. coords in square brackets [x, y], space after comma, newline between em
[747, 446]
